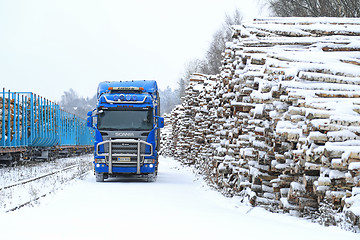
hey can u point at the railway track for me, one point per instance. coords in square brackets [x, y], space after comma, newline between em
[25, 192]
[37, 178]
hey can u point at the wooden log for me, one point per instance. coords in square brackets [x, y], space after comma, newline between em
[287, 205]
[304, 202]
[296, 190]
[308, 182]
[340, 49]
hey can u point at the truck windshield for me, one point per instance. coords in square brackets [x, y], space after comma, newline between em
[125, 120]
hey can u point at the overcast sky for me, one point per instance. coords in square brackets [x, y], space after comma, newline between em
[48, 47]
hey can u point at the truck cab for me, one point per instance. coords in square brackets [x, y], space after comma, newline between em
[127, 129]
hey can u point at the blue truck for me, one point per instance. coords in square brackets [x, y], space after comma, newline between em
[127, 129]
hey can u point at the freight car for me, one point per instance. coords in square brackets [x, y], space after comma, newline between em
[33, 127]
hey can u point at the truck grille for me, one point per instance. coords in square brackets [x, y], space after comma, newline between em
[124, 152]
[126, 148]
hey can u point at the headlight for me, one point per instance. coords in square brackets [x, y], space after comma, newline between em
[97, 160]
[149, 160]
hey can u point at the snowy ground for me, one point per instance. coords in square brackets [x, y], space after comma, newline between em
[177, 206]
[15, 196]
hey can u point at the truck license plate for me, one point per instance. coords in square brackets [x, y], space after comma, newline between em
[124, 159]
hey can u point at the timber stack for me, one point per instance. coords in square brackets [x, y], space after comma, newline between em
[280, 125]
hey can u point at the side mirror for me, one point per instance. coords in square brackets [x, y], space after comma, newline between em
[161, 122]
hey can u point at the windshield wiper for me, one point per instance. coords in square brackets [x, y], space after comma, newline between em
[109, 129]
[124, 129]
[133, 129]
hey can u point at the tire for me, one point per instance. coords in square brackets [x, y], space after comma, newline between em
[99, 177]
[151, 177]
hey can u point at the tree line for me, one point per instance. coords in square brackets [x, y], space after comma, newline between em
[75, 104]
[212, 60]
[315, 8]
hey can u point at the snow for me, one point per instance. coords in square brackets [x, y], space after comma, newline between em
[178, 205]
[259, 109]
[17, 195]
[324, 181]
[341, 135]
[355, 191]
[336, 174]
[355, 204]
[297, 187]
[354, 166]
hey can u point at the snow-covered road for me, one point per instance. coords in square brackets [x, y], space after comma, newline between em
[176, 206]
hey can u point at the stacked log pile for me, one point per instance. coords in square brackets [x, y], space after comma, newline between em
[281, 123]
[166, 134]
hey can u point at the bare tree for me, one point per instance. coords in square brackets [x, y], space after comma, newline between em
[169, 99]
[194, 66]
[315, 8]
[217, 46]
[231, 20]
[214, 53]
[181, 88]
[212, 62]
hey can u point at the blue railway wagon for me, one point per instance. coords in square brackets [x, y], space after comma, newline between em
[28, 122]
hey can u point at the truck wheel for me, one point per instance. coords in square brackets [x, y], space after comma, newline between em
[151, 177]
[99, 177]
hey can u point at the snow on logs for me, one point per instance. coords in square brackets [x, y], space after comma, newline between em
[281, 121]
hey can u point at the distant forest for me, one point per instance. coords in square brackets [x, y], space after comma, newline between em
[73, 103]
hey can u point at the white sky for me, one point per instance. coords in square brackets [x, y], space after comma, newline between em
[48, 47]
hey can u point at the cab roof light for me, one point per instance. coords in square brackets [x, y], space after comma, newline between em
[126, 88]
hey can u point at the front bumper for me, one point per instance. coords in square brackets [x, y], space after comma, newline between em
[145, 169]
[110, 154]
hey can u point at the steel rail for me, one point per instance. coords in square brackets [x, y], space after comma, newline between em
[38, 177]
[35, 199]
